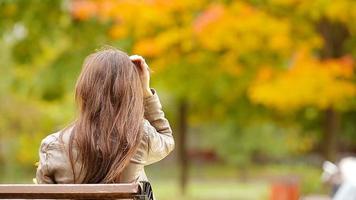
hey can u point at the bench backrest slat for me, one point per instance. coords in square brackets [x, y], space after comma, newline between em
[68, 191]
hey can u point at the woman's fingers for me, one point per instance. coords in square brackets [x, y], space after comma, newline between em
[140, 61]
[144, 71]
[137, 58]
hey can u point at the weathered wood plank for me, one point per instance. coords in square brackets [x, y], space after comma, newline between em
[68, 191]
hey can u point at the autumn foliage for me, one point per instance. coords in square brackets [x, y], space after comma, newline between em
[306, 82]
[243, 38]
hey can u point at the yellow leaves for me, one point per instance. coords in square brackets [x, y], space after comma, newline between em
[170, 38]
[341, 11]
[174, 38]
[308, 82]
[284, 2]
[228, 65]
[281, 39]
[241, 27]
[117, 31]
[147, 47]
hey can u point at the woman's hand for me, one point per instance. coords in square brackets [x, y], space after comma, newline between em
[144, 71]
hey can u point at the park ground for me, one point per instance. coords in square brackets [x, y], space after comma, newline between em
[217, 181]
[226, 182]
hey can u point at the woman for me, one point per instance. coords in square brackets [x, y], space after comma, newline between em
[120, 128]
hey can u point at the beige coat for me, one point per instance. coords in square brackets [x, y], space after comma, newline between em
[157, 143]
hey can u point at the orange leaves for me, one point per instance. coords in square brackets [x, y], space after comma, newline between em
[83, 9]
[265, 74]
[343, 67]
[211, 15]
[104, 10]
[308, 82]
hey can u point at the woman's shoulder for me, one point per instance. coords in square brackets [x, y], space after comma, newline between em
[54, 165]
[56, 140]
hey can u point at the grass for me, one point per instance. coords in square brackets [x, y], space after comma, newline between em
[199, 190]
[226, 182]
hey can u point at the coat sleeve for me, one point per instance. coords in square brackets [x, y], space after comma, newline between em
[53, 166]
[157, 131]
[44, 173]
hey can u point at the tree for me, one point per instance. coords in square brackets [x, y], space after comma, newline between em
[323, 77]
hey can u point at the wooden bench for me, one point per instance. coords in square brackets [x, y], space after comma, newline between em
[136, 191]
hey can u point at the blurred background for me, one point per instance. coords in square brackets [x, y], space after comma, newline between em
[259, 92]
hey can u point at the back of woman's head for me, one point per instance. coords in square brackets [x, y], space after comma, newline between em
[108, 129]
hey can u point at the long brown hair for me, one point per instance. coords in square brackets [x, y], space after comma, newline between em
[109, 126]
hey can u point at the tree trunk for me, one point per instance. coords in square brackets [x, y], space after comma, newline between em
[2, 160]
[182, 144]
[330, 139]
[334, 35]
